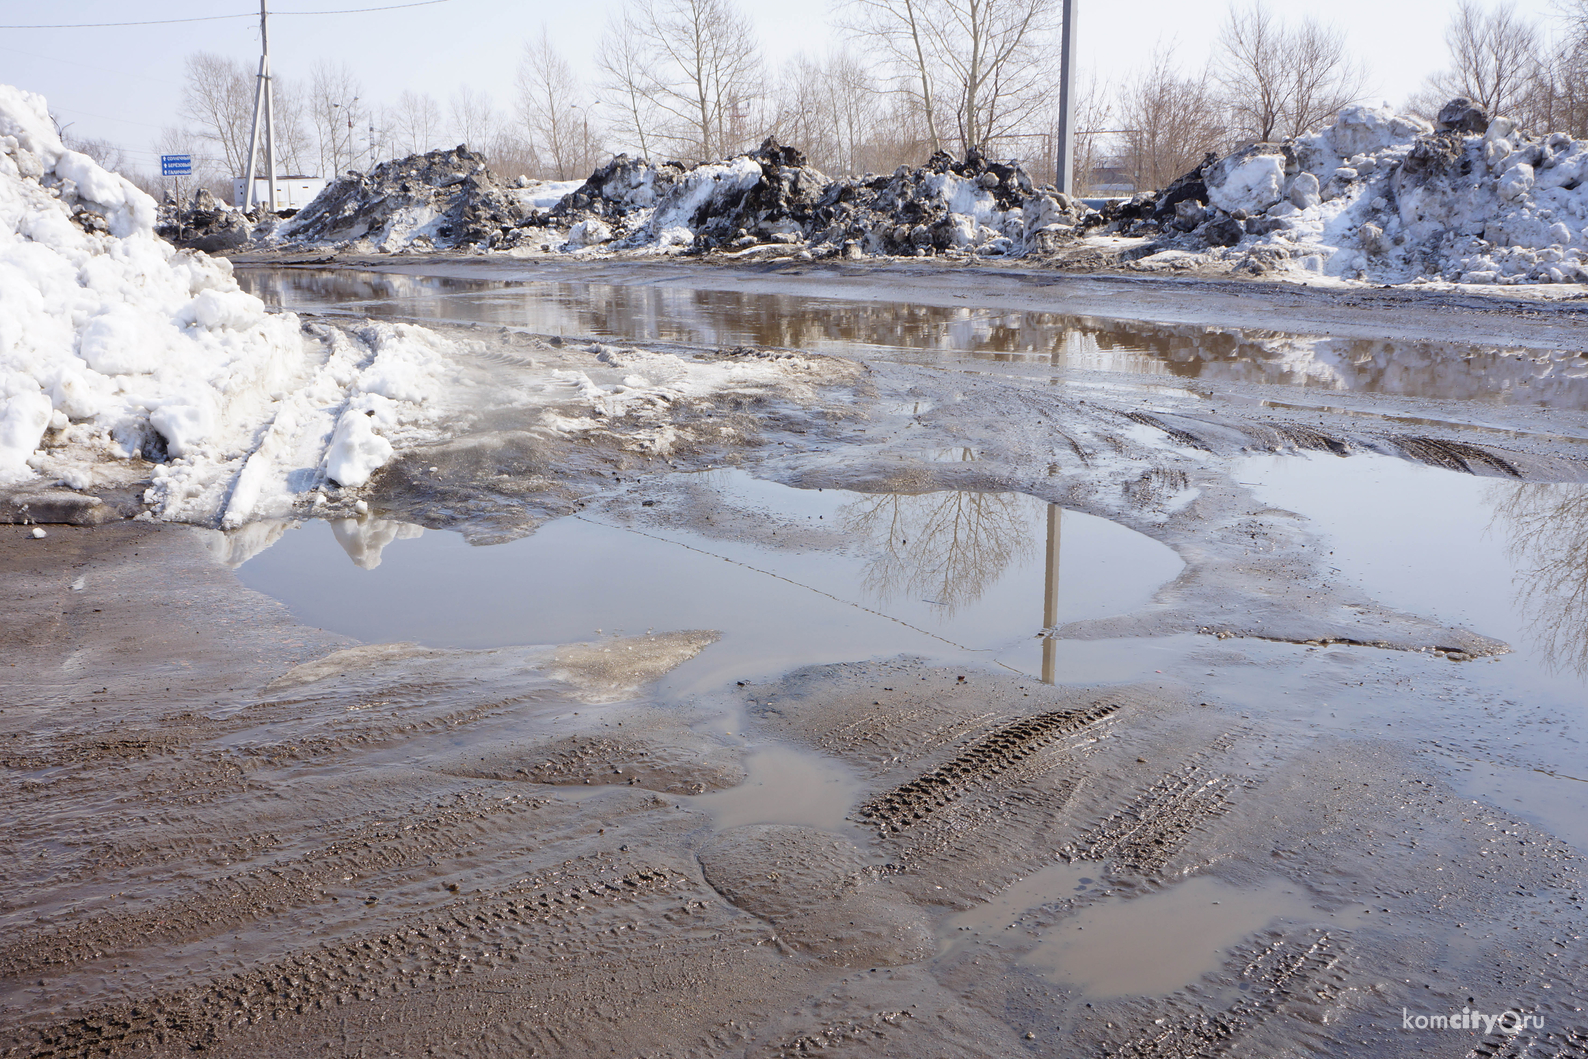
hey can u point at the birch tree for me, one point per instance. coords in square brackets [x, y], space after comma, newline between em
[706, 70]
[547, 89]
[988, 60]
[218, 99]
[474, 120]
[1171, 119]
[1494, 57]
[336, 113]
[416, 122]
[626, 79]
[1281, 81]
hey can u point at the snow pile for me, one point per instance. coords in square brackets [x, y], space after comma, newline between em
[771, 197]
[1384, 198]
[944, 207]
[204, 224]
[439, 200]
[125, 362]
[766, 195]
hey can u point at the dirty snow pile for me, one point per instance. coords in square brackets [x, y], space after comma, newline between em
[439, 200]
[203, 224]
[124, 360]
[770, 196]
[766, 198]
[1385, 198]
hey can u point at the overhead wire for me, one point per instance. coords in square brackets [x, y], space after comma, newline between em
[217, 18]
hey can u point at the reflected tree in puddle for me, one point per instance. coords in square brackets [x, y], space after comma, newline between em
[944, 548]
[1546, 526]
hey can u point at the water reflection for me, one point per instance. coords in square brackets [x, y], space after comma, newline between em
[1546, 527]
[924, 333]
[942, 548]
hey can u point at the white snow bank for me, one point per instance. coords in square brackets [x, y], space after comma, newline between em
[115, 346]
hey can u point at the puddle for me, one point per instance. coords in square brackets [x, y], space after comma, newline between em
[1149, 945]
[1505, 558]
[1003, 910]
[1056, 343]
[952, 576]
[785, 785]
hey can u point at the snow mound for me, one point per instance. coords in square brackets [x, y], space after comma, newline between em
[1383, 198]
[440, 200]
[770, 198]
[127, 363]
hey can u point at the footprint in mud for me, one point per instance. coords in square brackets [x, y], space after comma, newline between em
[820, 892]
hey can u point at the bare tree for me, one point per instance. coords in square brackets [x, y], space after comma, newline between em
[626, 78]
[1280, 81]
[547, 89]
[947, 547]
[474, 120]
[337, 115]
[1494, 56]
[902, 27]
[218, 98]
[416, 123]
[1172, 121]
[987, 59]
[706, 68]
[831, 109]
[1546, 525]
[1093, 112]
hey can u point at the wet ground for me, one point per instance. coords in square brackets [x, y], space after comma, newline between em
[1073, 685]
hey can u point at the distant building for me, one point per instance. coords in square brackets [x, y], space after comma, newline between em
[1111, 177]
[292, 192]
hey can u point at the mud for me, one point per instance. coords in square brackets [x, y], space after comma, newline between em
[234, 833]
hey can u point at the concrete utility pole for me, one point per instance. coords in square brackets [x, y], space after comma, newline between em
[1050, 597]
[265, 107]
[1064, 162]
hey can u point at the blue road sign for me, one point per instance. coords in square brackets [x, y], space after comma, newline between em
[176, 164]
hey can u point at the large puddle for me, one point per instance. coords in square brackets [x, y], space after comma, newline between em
[1048, 342]
[951, 576]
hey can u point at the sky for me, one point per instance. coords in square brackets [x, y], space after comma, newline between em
[124, 84]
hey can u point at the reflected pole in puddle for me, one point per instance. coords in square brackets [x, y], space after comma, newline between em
[1050, 595]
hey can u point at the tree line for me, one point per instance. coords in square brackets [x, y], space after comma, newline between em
[686, 79]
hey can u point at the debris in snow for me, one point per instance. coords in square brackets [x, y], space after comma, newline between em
[443, 199]
[771, 197]
[204, 224]
[768, 197]
[1383, 198]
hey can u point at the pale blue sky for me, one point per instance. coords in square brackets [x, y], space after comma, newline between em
[124, 84]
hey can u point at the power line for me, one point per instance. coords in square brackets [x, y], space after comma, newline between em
[217, 18]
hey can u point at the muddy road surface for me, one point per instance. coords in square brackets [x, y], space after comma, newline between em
[1044, 682]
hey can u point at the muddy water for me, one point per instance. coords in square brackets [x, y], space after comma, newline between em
[1151, 944]
[1045, 343]
[1161, 942]
[954, 576]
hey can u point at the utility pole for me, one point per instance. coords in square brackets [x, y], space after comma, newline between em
[1050, 597]
[1064, 161]
[264, 107]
